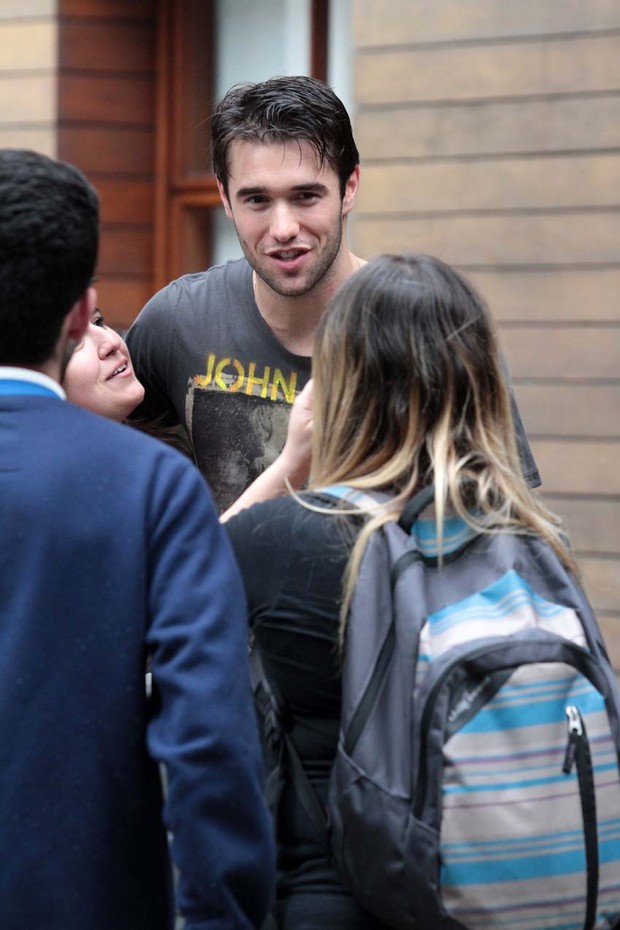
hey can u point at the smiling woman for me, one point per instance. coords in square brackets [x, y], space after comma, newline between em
[100, 376]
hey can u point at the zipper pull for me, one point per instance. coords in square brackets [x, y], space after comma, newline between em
[575, 732]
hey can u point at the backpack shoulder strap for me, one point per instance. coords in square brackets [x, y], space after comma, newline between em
[363, 500]
[368, 500]
[413, 508]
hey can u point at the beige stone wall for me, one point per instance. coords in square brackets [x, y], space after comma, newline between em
[490, 136]
[28, 67]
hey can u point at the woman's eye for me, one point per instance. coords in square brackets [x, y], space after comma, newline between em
[98, 321]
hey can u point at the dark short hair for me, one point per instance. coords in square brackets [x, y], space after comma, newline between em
[49, 232]
[285, 109]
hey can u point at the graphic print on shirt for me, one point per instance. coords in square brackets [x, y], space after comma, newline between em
[238, 415]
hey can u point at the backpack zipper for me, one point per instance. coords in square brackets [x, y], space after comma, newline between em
[575, 733]
[578, 755]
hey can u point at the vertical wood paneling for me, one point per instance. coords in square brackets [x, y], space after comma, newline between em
[106, 126]
[489, 136]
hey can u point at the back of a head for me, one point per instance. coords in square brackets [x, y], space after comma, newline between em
[49, 219]
[285, 109]
[409, 390]
[407, 377]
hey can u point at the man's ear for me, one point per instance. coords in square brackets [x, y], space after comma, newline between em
[73, 328]
[79, 316]
[224, 199]
[350, 191]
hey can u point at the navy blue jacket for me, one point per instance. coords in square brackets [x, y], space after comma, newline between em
[110, 547]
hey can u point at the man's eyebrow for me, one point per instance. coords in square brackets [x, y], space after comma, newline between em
[313, 186]
[249, 191]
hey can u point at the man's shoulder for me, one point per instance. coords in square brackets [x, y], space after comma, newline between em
[184, 304]
[190, 289]
[93, 456]
[126, 445]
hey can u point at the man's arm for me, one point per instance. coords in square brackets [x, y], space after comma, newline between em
[204, 727]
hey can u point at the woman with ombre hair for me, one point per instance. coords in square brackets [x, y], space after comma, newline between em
[409, 390]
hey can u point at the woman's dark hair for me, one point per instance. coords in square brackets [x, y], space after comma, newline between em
[285, 109]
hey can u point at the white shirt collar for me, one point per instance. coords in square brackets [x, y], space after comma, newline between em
[7, 373]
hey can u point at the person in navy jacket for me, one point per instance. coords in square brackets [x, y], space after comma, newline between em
[110, 550]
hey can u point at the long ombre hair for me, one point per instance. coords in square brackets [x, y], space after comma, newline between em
[408, 390]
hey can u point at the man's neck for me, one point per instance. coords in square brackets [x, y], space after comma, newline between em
[294, 320]
[50, 368]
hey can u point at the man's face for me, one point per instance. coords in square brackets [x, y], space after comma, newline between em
[288, 213]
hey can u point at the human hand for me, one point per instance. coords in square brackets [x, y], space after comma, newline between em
[297, 450]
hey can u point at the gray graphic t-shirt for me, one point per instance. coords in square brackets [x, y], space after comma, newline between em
[209, 361]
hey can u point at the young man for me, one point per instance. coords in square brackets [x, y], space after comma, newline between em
[111, 550]
[225, 351]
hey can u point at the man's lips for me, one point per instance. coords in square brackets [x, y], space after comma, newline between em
[288, 259]
[287, 255]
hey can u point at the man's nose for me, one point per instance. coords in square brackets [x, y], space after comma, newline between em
[284, 223]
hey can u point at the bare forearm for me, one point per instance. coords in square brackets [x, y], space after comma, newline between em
[279, 478]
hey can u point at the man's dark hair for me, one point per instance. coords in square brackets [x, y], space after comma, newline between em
[285, 109]
[49, 233]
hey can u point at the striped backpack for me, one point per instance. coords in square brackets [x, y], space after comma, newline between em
[477, 779]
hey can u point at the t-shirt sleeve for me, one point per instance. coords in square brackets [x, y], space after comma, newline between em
[148, 341]
[260, 537]
[528, 463]
[292, 562]
[529, 468]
